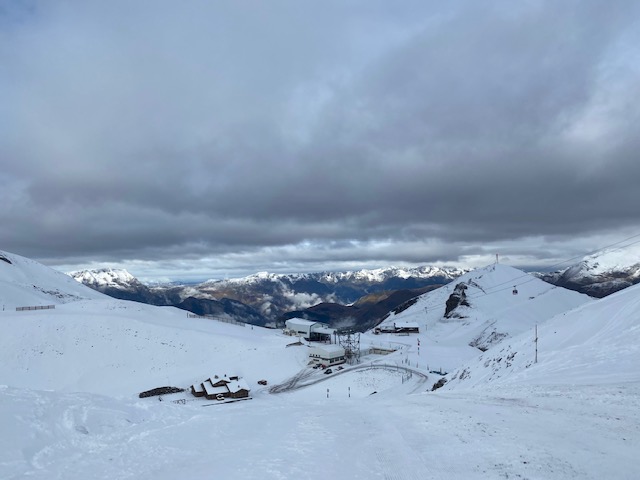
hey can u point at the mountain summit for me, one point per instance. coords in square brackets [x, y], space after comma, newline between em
[481, 309]
[600, 274]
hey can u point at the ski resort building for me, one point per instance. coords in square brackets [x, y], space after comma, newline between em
[221, 388]
[313, 331]
[327, 355]
[300, 326]
[399, 328]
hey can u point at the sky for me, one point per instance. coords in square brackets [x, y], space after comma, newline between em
[210, 139]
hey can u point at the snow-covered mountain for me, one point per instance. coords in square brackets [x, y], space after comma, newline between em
[120, 284]
[268, 295]
[379, 275]
[600, 274]
[25, 283]
[480, 309]
[69, 379]
[598, 342]
[106, 277]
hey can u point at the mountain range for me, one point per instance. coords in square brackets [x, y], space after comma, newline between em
[358, 298]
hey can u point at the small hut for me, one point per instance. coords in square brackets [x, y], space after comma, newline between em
[197, 390]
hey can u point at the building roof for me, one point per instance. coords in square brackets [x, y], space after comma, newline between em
[197, 387]
[236, 385]
[329, 349]
[211, 390]
[300, 322]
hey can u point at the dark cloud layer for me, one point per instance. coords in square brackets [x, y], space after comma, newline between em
[208, 138]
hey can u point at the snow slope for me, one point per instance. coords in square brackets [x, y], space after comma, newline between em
[69, 409]
[598, 343]
[24, 282]
[493, 315]
[122, 348]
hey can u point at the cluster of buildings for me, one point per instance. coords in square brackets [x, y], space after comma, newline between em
[224, 388]
[324, 353]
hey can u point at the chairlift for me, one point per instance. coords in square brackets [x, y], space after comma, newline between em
[515, 290]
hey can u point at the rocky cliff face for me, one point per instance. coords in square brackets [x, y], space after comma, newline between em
[458, 298]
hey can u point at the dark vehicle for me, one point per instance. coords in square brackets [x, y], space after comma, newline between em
[328, 370]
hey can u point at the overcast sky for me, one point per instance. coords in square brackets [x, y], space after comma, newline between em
[211, 139]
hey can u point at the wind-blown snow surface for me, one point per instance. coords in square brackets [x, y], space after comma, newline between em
[69, 409]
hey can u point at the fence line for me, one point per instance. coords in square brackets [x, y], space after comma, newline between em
[219, 319]
[37, 307]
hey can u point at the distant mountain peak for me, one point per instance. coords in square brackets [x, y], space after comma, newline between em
[105, 277]
[600, 274]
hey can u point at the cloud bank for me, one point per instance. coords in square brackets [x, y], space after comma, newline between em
[203, 139]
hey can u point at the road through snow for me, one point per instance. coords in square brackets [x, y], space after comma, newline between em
[308, 376]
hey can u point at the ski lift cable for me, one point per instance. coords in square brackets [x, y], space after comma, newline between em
[526, 275]
[514, 281]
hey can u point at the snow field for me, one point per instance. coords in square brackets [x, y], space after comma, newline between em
[69, 380]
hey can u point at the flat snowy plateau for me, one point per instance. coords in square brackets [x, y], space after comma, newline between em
[70, 378]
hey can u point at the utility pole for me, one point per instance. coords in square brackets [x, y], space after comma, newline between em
[536, 340]
[497, 258]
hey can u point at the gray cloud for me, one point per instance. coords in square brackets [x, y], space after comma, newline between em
[221, 137]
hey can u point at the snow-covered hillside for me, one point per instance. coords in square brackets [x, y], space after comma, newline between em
[24, 283]
[596, 343]
[602, 273]
[69, 379]
[122, 348]
[488, 314]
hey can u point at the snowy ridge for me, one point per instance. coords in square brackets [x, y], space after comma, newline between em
[600, 274]
[610, 262]
[613, 260]
[105, 277]
[24, 282]
[375, 275]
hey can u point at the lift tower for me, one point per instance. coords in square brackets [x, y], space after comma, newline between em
[350, 340]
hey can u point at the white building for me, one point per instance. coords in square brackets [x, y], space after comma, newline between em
[314, 331]
[299, 326]
[327, 354]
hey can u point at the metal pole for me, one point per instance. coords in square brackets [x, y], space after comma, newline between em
[536, 361]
